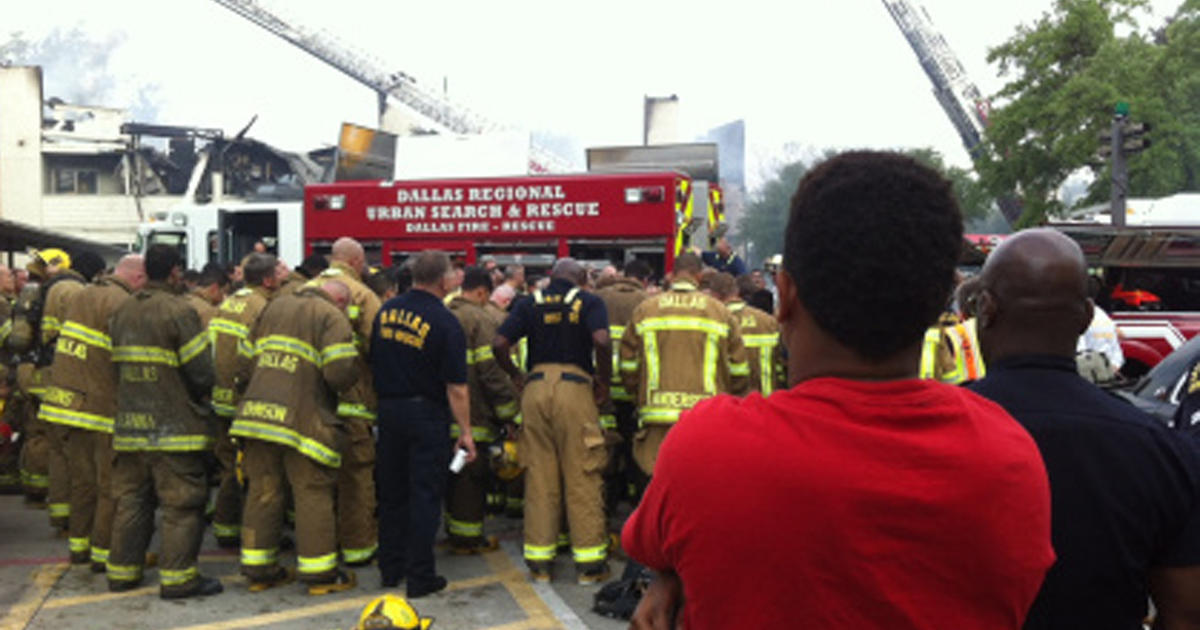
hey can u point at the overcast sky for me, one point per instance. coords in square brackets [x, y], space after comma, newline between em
[810, 74]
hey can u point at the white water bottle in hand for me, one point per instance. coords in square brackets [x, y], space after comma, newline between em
[460, 460]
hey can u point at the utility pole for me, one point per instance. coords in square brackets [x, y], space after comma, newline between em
[1120, 173]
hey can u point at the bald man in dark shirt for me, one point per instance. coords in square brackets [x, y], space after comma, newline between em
[1125, 491]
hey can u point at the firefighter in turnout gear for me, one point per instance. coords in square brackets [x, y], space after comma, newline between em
[304, 356]
[80, 397]
[493, 404]
[510, 492]
[950, 352]
[20, 350]
[760, 332]
[561, 442]
[358, 531]
[63, 277]
[621, 298]
[209, 292]
[10, 478]
[162, 433]
[681, 347]
[230, 333]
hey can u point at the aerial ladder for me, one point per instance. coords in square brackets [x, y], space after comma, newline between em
[966, 107]
[436, 113]
[963, 103]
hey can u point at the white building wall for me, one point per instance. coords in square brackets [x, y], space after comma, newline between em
[21, 144]
[109, 219]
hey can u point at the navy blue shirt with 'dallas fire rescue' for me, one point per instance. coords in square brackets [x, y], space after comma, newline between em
[554, 338]
[417, 348]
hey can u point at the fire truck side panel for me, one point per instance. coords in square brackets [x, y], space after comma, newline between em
[550, 213]
[1147, 337]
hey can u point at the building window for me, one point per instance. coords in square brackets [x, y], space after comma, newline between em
[74, 181]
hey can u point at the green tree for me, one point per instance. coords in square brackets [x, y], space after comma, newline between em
[1065, 74]
[973, 199]
[762, 224]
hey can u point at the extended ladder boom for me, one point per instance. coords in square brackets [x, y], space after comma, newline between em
[442, 115]
[963, 103]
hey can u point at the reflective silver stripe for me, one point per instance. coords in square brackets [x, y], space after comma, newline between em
[589, 554]
[540, 552]
[290, 345]
[229, 327]
[650, 349]
[337, 351]
[91, 336]
[697, 324]
[194, 347]
[658, 415]
[145, 354]
[282, 435]
[317, 564]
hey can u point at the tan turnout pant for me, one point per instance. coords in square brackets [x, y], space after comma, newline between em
[563, 449]
[90, 458]
[358, 531]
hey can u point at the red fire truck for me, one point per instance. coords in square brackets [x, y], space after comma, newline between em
[532, 219]
[1149, 274]
[613, 217]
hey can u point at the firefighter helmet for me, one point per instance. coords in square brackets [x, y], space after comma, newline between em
[44, 259]
[391, 611]
[505, 462]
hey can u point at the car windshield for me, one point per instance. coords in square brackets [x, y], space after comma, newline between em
[1159, 381]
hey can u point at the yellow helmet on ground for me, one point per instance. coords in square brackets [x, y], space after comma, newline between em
[505, 462]
[391, 611]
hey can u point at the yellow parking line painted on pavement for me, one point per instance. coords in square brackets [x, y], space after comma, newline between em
[528, 624]
[540, 615]
[325, 609]
[43, 579]
[79, 600]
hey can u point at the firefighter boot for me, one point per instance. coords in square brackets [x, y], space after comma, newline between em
[199, 587]
[592, 573]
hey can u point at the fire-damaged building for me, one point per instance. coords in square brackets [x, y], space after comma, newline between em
[89, 172]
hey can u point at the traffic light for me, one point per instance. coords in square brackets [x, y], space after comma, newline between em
[1133, 136]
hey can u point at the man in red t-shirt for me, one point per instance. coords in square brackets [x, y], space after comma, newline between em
[861, 497]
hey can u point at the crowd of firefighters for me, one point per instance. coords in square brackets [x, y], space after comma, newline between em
[243, 397]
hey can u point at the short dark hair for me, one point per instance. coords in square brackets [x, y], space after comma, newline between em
[258, 267]
[746, 286]
[762, 300]
[87, 263]
[721, 284]
[160, 260]
[430, 266]
[689, 263]
[638, 269]
[211, 274]
[475, 277]
[312, 265]
[403, 276]
[380, 282]
[872, 243]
